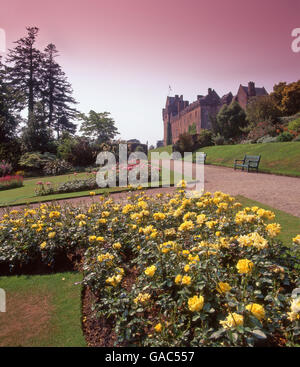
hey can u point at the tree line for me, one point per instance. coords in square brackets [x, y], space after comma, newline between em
[32, 80]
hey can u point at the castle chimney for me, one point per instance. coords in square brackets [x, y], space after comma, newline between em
[209, 90]
[251, 89]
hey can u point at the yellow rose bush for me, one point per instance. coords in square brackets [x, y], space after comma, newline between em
[170, 270]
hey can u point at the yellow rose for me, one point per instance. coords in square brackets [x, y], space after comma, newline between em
[150, 271]
[186, 226]
[142, 298]
[295, 305]
[273, 229]
[51, 234]
[186, 268]
[232, 320]
[257, 310]
[196, 303]
[186, 280]
[158, 327]
[117, 245]
[223, 287]
[297, 239]
[178, 279]
[244, 266]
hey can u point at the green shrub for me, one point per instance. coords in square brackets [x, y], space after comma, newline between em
[57, 167]
[219, 139]
[294, 125]
[36, 160]
[285, 136]
[193, 129]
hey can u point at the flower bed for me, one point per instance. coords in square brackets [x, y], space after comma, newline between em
[72, 185]
[89, 183]
[169, 271]
[10, 182]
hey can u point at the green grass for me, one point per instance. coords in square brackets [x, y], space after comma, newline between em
[25, 194]
[290, 224]
[278, 158]
[167, 149]
[23, 325]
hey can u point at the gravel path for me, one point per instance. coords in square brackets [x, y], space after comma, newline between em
[280, 192]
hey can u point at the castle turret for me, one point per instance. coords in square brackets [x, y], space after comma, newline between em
[251, 89]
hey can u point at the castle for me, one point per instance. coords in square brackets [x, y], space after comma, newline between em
[180, 116]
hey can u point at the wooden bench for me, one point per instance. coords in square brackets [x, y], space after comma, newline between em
[204, 158]
[249, 162]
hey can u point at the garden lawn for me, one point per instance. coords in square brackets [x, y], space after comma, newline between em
[278, 158]
[25, 194]
[290, 225]
[42, 310]
[167, 149]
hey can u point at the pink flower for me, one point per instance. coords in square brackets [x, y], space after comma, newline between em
[48, 183]
[39, 183]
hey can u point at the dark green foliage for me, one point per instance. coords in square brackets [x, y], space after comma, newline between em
[192, 129]
[78, 151]
[98, 126]
[219, 139]
[9, 109]
[189, 143]
[230, 120]
[185, 143]
[285, 136]
[35, 160]
[262, 108]
[203, 139]
[11, 151]
[169, 134]
[57, 94]
[35, 136]
[24, 70]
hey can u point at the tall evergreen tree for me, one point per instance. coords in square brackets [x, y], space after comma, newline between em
[10, 106]
[24, 68]
[35, 137]
[57, 94]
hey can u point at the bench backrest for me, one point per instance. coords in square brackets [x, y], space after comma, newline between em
[254, 160]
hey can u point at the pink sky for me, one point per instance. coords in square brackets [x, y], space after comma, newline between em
[121, 55]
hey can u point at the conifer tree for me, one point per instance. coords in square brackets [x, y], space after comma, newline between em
[57, 94]
[24, 68]
[10, 106]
